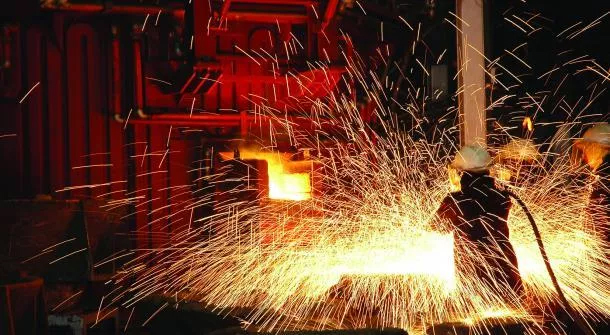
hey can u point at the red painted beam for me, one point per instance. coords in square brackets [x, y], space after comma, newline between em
[159, 181]
[225, 8]
[180, 193]
[116, 131]
[204, 41]
[226, 12]
[331, 9]
[141, 161]
[184, 123]
[116, 73]
[267, 17]
[35, 111]
[138, 78]
[244, 122]
[118, 9]
[57, 126]
[76, 103]
[279, 2]
[97, 121]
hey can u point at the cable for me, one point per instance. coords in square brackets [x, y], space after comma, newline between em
[580, 322]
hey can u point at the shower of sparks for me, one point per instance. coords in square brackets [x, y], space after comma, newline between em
[357, 244]
[365, 250]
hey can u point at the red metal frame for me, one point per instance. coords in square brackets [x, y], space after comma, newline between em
[239, 74]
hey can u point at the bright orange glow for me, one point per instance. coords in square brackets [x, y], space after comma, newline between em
[502, 173]
[454, 179]
[491, 314]
[528, 124]
[285, 183]
[400, 253]
[593, 153]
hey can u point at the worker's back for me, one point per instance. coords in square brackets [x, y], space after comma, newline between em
[479, 210]
[478, 214]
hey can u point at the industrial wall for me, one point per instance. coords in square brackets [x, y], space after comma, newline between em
[72, 84]
[63, 134]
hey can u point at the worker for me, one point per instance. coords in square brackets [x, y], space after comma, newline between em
[595, 148]
[477, 215]
[517, 162]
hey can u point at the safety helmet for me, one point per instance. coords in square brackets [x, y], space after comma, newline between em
[599, 134]
[594, 145]
[472, 158]
[519, 150]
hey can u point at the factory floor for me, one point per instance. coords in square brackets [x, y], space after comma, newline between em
[191, 323]
[191, 319]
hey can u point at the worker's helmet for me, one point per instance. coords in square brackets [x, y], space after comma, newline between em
[519, 150]
[594, 145]
[472, 158]
[598, 134]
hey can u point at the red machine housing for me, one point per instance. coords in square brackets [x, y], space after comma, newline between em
[121, 90]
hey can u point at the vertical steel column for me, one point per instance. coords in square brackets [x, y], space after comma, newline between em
[471, 79]
[137, 64]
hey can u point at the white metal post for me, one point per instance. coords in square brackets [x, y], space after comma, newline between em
[471, 75]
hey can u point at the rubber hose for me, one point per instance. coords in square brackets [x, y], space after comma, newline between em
[580, 322]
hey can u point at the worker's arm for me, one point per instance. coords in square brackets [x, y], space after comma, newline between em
[446, 215]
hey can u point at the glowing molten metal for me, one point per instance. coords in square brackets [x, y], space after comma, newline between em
[284, 182]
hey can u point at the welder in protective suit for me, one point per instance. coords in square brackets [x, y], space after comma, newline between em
[477, 214]
[595, 148]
